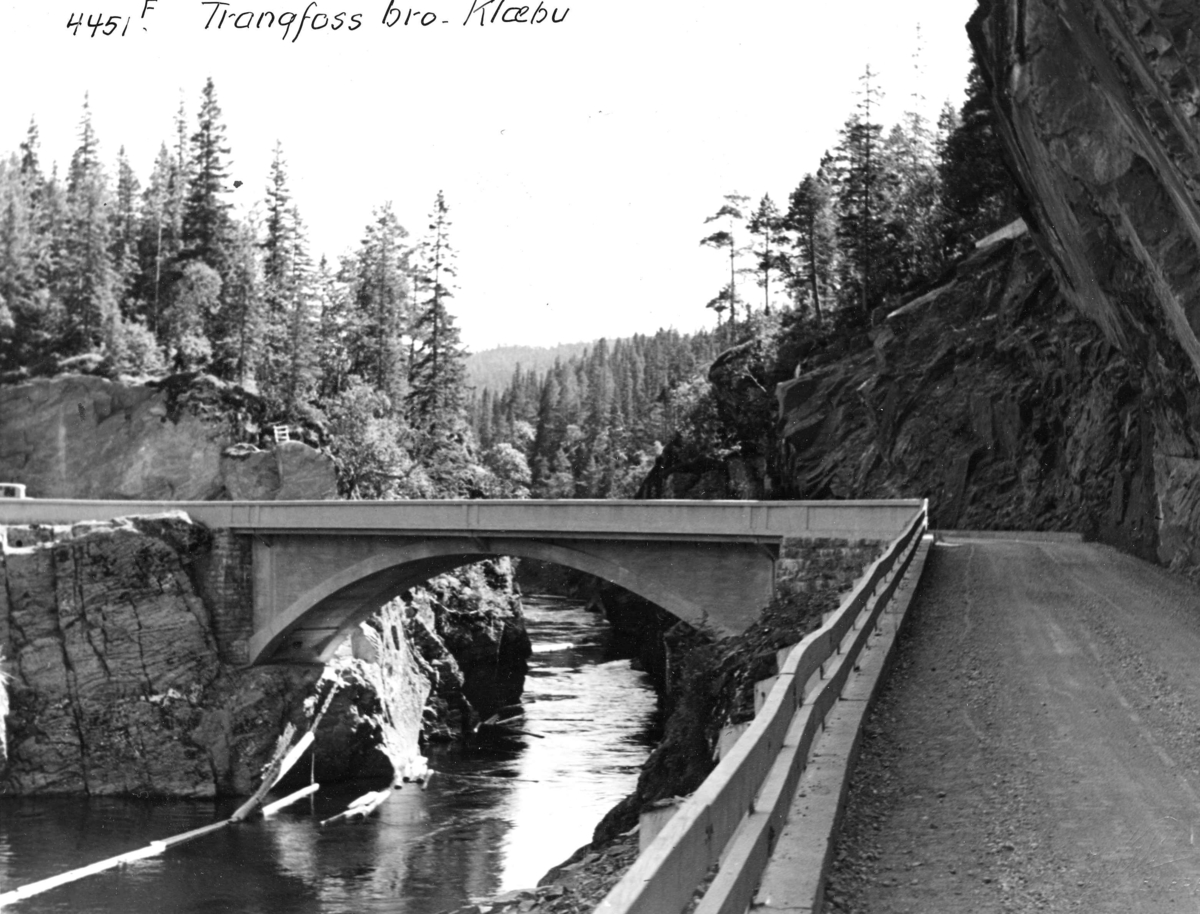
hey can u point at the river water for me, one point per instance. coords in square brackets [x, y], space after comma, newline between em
[495, 817]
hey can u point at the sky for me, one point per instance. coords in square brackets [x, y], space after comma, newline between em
[579, 158]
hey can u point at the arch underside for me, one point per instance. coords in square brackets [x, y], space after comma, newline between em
[309, 625]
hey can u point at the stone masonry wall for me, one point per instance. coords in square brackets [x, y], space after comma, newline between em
[822, 565]
[225, 578]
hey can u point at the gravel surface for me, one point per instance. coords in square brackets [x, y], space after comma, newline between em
[1037, 745]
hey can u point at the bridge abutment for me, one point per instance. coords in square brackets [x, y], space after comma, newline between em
[808, 564]
[226, 581]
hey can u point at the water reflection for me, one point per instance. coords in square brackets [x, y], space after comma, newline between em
[496, 816]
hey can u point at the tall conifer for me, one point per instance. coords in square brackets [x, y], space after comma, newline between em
[206, 221]
[437, 393]
[88, 280]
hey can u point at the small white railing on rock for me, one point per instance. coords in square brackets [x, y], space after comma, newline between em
[739, 811]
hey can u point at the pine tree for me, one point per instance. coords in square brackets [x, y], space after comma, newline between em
[732, 211]
[766, 225]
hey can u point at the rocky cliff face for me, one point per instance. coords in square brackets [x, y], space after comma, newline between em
[1008, 409]
[470, 631]
[1097, 102]
[186, 438]
[116, 686]
[1053, 383]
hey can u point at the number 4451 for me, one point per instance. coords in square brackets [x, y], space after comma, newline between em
[98, 24]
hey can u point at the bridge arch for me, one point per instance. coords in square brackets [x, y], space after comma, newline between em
[315, 619]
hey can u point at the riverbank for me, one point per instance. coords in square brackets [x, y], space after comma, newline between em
[714, 688]
[495, 815]
[118, 687]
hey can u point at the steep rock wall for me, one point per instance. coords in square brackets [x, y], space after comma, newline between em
[1097, 104]
[185, 438]
[124, 639]
[1008, 409]
[118, 688]
[116, 685]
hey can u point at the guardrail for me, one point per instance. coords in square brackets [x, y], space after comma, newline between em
[738, 812]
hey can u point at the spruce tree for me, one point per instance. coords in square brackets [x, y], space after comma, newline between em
[978, 193]
[379, 321]
[161, 237]
[126, 225]
[302, 372]
[88, 281]
[809, 218]
[861, 200]
[437, 381]
[289, 365]
[237, 327]
[333, 307]
[27, 330]
[206, 221]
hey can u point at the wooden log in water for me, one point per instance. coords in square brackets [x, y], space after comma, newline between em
[191, 835]
[271, 774]
[272, 808]
[293, 755]
[361, 807]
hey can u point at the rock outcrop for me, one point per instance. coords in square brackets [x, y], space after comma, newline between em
[1097, 103]
[185, 438]
[469, 629]
[1008, 409]
[116, 685]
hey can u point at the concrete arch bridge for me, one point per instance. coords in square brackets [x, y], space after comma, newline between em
[297, 577]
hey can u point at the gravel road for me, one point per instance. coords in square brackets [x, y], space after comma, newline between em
[1037, 745]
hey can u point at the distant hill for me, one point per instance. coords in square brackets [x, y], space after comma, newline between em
[494, 367]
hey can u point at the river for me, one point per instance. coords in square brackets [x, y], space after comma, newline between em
[495, 817]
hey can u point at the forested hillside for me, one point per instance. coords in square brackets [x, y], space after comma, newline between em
[494, 367]
[592, 426]
[883, 217]
[100, 272]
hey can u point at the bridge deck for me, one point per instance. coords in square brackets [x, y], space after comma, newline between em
[1038, 744]
[762, 521]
